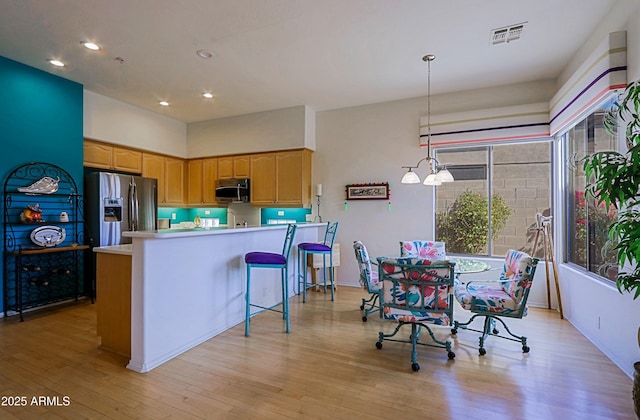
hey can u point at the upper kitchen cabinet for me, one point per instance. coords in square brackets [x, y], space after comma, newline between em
[281, 179]
[175, 180]
[234, 167]
[202, 176]
[170, 173]
[263, 179]
[105, 156]
[293, 187]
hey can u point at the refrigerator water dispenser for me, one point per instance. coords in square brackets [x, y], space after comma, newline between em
[113, 209]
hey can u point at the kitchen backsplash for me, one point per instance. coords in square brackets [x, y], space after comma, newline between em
[267, 216]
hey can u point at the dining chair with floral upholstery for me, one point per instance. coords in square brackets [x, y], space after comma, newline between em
[505, 297]
[417, 292]
[368, 280]
[423, 249]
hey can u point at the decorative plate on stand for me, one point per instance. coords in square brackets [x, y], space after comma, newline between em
[48, 236]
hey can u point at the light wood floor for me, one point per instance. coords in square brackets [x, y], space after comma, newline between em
[326, 368]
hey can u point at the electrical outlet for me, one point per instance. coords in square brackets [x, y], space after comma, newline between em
[174, 216]
[207, 212]
[280, 212]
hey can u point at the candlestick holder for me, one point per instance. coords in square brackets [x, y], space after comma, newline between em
[318, 217]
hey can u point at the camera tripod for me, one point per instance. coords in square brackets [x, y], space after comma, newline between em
[543, 225]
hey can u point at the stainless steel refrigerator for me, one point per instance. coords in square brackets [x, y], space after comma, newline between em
[116, 203]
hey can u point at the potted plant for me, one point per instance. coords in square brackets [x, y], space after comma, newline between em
[614, 179]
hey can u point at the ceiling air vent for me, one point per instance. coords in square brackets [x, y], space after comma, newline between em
[506, 34]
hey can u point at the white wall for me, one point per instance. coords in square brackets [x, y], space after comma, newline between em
[280, 129]
[618, 19]
[120, 123]
[371, 144]
[595, 307]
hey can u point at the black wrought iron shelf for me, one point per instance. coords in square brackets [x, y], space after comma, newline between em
[32, 251]
[37, 275]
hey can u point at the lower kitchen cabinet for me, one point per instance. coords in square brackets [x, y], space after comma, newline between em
[113, 300]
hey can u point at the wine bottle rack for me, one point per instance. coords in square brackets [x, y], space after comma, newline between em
[37, 274]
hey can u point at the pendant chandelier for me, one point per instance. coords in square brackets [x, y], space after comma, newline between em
[437, 174]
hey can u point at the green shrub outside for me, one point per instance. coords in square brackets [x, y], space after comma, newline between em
[464, 225]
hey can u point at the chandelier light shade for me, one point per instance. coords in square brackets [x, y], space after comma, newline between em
[444, 175]
[437, 175]
[410, 178]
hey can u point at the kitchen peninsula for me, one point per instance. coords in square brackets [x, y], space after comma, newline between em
[188, 285]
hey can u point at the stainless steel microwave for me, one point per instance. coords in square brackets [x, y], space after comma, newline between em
[233, 190]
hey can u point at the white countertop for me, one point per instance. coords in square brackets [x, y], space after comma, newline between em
[115, 249]
[180, 233]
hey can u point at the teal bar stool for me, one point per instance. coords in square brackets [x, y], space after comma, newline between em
[270, 260]
[325, 249]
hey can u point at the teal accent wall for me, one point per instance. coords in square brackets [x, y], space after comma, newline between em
[298, 214]
[188, 214]
[41, 120]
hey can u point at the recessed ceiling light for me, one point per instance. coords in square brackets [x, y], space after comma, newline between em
[204, 54]
[92, 46]
[57, 63]
[208, 95]
[164, 103]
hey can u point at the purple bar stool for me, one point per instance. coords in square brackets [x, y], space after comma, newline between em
[270, 260]
[325, 249]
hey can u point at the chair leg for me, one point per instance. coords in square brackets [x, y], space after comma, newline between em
[285, 297]
[373, 299]
[488, 329]
[302, 274]
[414, 351]
[247, 305]
[416, 329]
[324, 273]
[486, 332]
[521, 338]
[331, 274]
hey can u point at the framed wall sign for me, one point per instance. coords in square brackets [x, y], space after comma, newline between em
[371, 191]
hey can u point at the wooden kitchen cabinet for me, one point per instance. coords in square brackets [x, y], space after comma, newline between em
[263, 179]
[234, 167]
[281, 179]
[202, 177]
[113, 302]
[105, 156]
[127, 160]
[175, 180]
[170, 173]
[293, 182]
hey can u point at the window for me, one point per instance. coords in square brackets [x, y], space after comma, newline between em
[491, 206]
[588, 243]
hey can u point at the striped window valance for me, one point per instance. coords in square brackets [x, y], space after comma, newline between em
[512, 123]
[604, 70]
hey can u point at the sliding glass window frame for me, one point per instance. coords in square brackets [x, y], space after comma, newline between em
[587, 247]
[531, 194]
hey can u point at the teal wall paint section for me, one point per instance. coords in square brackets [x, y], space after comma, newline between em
[188, 214]
[299, 215]
[41, 120]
